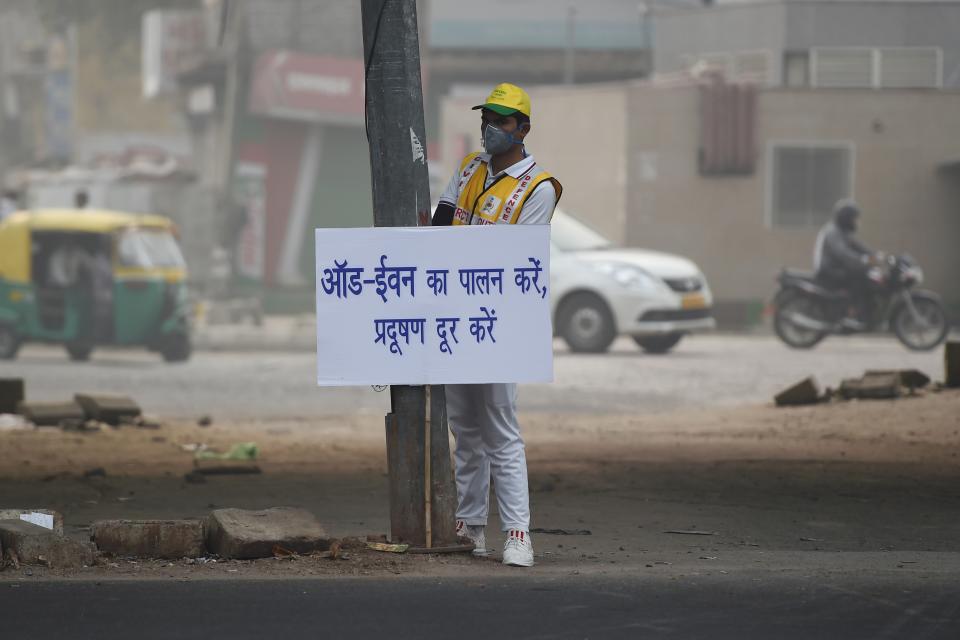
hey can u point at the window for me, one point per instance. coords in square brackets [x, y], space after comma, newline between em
[806, 181]
[908, 68]
[148, 249]
[883, 68]
[569, 234]
[843, 68]
[796, 69]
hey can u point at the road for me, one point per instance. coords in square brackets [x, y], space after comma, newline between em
[703, 372]
[778, 607]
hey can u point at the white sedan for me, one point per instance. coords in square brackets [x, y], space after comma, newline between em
[600, 292]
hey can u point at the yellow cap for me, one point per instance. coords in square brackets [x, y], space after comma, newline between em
[506, 99]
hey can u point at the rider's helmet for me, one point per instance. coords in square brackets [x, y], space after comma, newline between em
[845, 214]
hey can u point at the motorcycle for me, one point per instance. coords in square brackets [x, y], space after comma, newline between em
[807, 311]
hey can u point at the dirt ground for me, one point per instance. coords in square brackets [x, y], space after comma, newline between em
[858, 486]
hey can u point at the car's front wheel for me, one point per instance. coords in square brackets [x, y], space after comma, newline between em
[658, 344]
[586, 323]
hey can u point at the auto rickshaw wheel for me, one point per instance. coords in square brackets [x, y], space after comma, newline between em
[9, 342]
[176, 347]
[78, 351]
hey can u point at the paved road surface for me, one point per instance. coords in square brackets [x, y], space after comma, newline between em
[703, 371]
[782, 608]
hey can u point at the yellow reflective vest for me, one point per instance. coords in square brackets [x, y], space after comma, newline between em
[503, 200]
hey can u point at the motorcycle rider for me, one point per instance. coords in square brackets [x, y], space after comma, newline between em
[842, 261]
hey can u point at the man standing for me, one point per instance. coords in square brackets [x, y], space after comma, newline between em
[503, 185]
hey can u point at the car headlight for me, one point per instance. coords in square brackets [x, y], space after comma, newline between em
[628, 276]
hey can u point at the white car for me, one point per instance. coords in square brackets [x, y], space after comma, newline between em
[600, 292]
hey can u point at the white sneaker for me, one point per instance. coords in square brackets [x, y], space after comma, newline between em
[474, 533]
[518, 549]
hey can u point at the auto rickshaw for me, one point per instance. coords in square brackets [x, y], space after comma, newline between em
[85, 278]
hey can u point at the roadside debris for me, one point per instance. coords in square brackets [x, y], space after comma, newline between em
[388, 548]
[239, 451]
[170, 539]
[11, 394]
[951, 362]
[807, 391]
[112, 409]
[563, 532]
[691, 532]
[50, 414]
[46, 518]
[239, 533]
[32, 544]
[217, 467]
[14, 422]
[872, 385]
[239, 459]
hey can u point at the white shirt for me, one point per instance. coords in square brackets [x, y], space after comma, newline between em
[538, 208]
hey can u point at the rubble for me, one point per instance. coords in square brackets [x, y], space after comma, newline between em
[951, 363]
[31, 544]
[805, 392]
[50, 414]
[47, 518]
[873, 385]
[168, 539]
[215, 467]
[11, 394]
[14, 422]
[243, 534]
[111, 409]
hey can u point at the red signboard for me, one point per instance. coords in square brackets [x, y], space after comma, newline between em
[298, 86]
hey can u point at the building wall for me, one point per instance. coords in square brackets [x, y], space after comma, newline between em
[718, 29]
[901, 138]
[802, 25]
[879, 24]
[577, 134]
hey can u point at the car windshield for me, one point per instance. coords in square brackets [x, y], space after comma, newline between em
[148, 249]
[569, 234]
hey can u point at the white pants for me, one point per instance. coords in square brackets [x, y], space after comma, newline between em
[483, 418]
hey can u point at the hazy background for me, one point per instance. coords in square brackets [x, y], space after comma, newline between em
[722, 131]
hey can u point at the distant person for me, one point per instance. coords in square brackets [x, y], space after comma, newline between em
[81, 199]
[68, 264]
[9, 202]
[840, 260]
[101, 284]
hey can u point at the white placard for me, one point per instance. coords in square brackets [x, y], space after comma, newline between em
[384, 316]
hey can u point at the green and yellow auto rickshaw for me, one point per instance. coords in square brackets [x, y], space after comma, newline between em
[85, 278]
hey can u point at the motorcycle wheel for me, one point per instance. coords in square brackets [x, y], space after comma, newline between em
[790, 333]
[922, 333]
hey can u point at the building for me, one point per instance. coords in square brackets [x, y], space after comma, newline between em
[737, 170]
[814, 43]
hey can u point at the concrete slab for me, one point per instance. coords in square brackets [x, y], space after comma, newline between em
[239, 533]
[151, 538]
[35, 545]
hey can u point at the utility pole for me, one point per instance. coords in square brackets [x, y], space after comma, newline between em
[422, 493]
